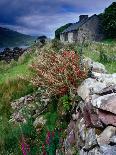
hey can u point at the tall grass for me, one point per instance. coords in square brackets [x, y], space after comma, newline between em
[104, 53]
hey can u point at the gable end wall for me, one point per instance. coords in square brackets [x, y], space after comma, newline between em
[91, 30]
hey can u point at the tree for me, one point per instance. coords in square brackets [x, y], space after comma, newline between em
[60, 30]
[109, 21]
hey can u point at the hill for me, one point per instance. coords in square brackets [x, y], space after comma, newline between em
[9, 38]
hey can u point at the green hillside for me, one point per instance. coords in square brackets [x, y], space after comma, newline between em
[9, 38]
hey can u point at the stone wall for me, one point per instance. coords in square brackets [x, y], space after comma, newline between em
[11, 54]
[62, 38]
[92, 129]
[70, 37]
[91, 30]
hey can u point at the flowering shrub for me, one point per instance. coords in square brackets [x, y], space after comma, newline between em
[52, 142]
[59, 73]
[24, 147]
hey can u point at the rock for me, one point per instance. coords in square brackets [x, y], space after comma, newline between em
[75, 116]
[81, 128]
[94, 151]
[90, 86]
[96, 66]
[11, 54]
[39, 122]
[71, 138]
[82, 152]
[108, 90]
[107, 118]
[70, 127]
[109, 79]
[90, 140]
[104, 137]
[90, 116]
[108, 150]
[106, 102]
[17, 117]
[113, 140]
[34, 105]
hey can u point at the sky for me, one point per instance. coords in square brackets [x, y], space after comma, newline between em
[43, 17]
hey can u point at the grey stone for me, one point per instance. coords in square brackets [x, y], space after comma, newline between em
[98, 67]
[39, 122]
[106, 102]
[104, 137]
[90, 140]
[82, 129]
[109, 79]
[107, 118]
[90, 86]
[94, 151]
[108, 150]
[91, 117]
[113, 140]
[108, 90]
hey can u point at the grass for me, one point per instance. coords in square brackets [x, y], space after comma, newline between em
[12, 84]
[12, 87]
[11, 73]
[93, 51]
[16, 69]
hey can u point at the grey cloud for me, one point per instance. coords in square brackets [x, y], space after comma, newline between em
[44, 16]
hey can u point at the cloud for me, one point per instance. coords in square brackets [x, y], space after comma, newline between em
[38, 17]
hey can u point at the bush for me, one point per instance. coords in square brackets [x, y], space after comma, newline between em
[109, 21]
[56, 45]
[59, 73]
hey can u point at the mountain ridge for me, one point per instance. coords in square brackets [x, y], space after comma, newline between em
[11, 38]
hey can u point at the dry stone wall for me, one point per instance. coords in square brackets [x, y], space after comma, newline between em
[11, 54]
[92, 129]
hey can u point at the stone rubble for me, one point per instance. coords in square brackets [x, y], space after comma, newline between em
[30, 106]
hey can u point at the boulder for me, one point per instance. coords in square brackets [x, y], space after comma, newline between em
[106, 102]
[90, 140]
[108, 90]
[71, 138]
[108, 150]
[75, 116]
[91, 117]
[104, 137]
[90, 86]
[82, 129]
[96, 66]
[113, 140]
[71, 127]
[107, 118]
[109, 79]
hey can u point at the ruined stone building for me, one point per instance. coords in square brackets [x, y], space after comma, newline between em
[88, 28]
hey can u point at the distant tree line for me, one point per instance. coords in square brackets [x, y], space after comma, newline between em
[60, 30]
